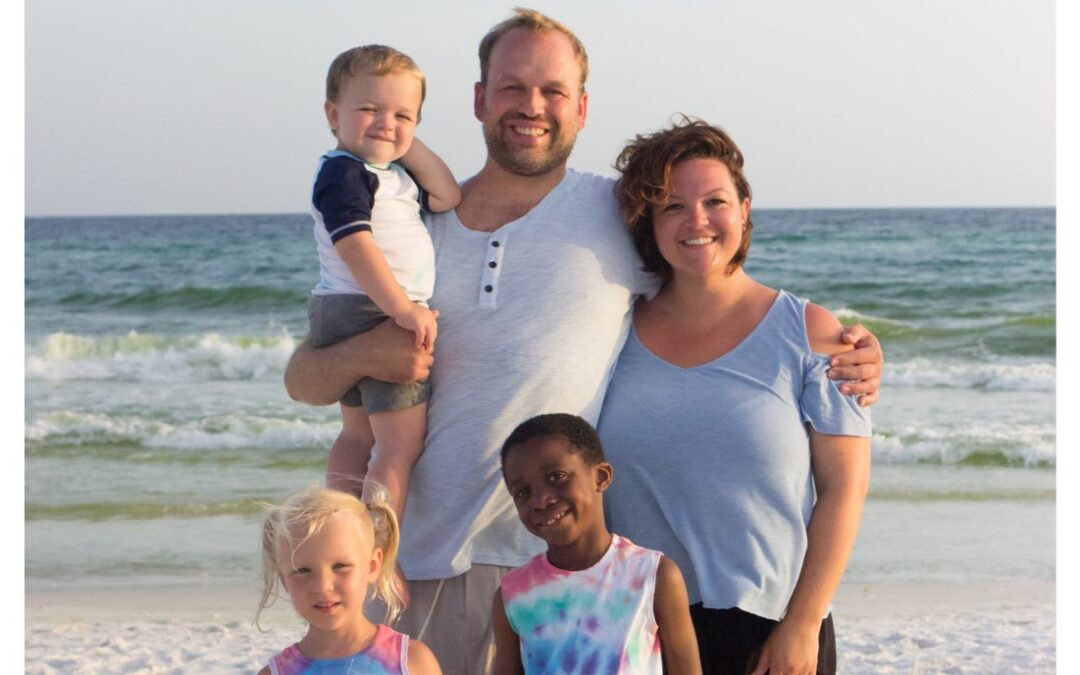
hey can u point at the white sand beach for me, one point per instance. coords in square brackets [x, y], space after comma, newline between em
[963, 627]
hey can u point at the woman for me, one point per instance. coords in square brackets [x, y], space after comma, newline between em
[736, 455]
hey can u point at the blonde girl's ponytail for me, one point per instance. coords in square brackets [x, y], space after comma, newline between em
[387, 538]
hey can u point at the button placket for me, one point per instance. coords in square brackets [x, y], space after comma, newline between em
[492, 270]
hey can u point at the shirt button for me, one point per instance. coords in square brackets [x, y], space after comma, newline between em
[489, 288]
[493, 264]
[495, 244]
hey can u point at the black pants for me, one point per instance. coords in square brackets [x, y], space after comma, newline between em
[730, 640]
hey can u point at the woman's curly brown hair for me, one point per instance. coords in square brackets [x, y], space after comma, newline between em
[646, 164]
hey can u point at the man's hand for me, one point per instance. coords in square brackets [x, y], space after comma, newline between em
[861, 367]
[321, 376]
[393, 354]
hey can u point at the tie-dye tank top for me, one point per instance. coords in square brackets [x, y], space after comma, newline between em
[593, 621]
[386, 655]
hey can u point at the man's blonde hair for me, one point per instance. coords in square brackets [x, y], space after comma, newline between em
[373, 60]
[534, 21]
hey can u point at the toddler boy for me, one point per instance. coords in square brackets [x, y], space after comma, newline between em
[375, 254]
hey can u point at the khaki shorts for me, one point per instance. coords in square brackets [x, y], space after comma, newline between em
[457, 613]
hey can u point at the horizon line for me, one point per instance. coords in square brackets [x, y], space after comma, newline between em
[180, 214]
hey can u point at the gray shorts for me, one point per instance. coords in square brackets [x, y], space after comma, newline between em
[336, 317]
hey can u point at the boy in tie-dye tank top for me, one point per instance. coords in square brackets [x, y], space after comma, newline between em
[594, 603]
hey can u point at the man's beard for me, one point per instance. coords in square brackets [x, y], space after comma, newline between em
[528, 161]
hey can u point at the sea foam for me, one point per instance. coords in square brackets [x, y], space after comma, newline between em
[140, 357]
[1002, 444]
[1008, 376]
[998, 445]
[217, 432]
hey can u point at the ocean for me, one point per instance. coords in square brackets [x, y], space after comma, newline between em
[156, 421]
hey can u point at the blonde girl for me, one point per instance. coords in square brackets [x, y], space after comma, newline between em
[331, 552]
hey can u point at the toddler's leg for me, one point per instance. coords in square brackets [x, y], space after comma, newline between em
[399, 436]
[351, 452]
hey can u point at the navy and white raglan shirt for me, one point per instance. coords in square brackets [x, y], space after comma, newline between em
[351, 196]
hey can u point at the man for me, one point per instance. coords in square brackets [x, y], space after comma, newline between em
[536, 277]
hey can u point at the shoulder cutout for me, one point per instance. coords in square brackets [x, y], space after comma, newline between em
[823, 331]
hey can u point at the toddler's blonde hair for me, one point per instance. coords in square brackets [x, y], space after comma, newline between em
[375, 60]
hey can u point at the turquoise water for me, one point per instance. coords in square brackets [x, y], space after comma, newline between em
[156, 420]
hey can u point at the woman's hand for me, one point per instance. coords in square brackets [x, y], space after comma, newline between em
[791, 649]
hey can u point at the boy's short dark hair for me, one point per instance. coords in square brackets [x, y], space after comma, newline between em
[579, 434]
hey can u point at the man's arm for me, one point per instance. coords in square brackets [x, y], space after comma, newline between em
[321, 376]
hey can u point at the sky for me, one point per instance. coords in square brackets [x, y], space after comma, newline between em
[147, 107]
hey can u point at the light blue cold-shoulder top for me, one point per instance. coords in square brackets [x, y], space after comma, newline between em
[712, 463]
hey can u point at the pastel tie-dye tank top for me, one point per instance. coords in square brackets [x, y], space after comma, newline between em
[593, 621]
[386, 655]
